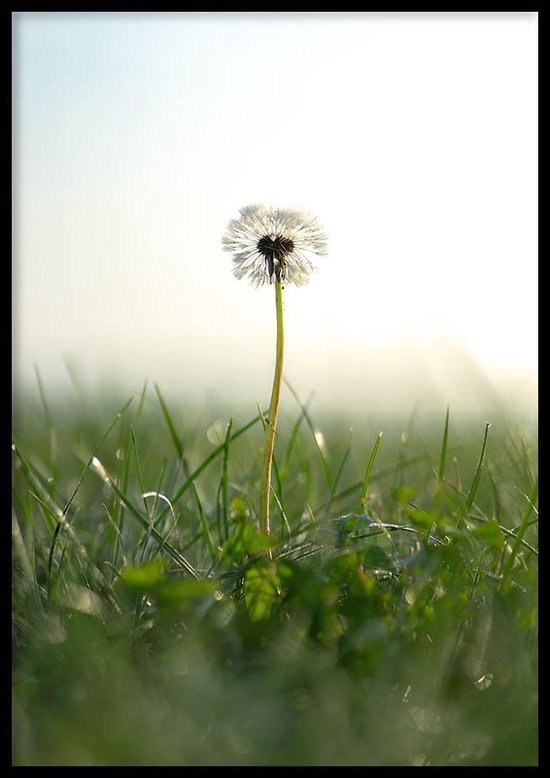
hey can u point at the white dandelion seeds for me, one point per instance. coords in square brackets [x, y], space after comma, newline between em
[274, 244]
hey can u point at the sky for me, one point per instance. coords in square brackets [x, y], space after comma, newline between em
[412, 138]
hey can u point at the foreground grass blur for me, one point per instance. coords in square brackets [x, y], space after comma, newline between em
[395, 622]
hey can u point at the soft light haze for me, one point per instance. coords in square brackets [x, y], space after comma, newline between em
[412, 137]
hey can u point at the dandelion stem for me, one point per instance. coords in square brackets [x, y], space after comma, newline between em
[271, 426]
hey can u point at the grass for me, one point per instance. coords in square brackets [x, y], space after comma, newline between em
[393, 623]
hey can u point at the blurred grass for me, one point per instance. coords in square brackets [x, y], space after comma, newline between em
[396, 623]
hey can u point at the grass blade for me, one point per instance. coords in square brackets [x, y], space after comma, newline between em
[378, 476]
[171, 428]
[143, 520]
[366, 479]
[475, 481]
[210, 458]
[443, 455]
[205, 528]
[292, 440]
[51, 432]
[507, 566]
[94, 454]
[326, 468]
[342, 463]
[221, 510]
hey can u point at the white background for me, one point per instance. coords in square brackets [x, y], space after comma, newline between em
[412, 137]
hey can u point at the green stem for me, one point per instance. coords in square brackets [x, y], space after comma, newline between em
[271, 425]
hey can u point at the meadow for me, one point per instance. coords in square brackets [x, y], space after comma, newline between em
[389, 619]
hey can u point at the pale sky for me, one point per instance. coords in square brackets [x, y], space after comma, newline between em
[412, 137]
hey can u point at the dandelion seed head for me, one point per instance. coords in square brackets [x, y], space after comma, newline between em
[274, 243]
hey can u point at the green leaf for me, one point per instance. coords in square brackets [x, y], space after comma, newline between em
[245, 541]
[145, 576]
[167, 592]
[239, 510]
[491, 533]
[262, 586]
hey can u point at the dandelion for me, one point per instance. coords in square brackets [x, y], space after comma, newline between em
[275, 246]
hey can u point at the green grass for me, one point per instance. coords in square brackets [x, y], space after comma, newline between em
[393, 623]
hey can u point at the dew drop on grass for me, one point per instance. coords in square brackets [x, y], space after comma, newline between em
[119, 453]
[320, 440]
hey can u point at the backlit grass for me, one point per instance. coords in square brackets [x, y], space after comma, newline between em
[394, 621]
